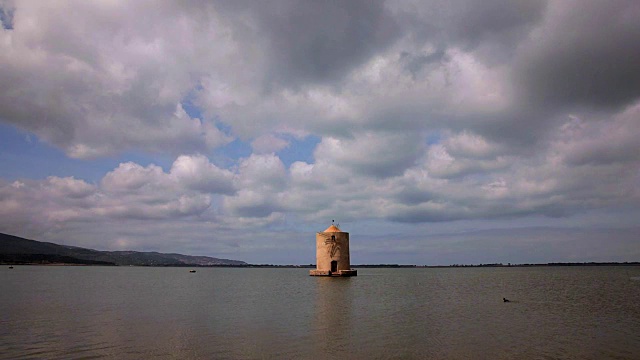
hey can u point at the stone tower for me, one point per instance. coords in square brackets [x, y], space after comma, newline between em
[332, 253]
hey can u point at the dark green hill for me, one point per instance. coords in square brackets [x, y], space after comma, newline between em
[17, 250]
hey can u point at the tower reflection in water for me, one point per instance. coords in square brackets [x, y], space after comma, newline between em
[334, 320]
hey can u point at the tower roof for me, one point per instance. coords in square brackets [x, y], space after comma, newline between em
[332, 228]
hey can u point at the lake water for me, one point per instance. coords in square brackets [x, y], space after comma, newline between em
[59, 312]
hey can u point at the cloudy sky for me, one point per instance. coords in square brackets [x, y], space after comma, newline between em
[434, 131]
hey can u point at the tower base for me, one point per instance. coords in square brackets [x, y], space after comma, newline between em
[329, 273]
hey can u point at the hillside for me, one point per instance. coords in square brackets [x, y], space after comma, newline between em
[17, 250]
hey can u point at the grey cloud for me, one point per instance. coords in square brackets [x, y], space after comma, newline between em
[471, 22]
[411, 195]
[321, 41]
[423, 213]
[373, 154]
[602, 154]
[252, 208]
[414, 63]
[6, 16]
[493, 28]
[148, 208]
[585, 56]
[476, 208]
[255, 210]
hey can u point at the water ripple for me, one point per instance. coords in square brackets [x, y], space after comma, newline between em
[133, 313]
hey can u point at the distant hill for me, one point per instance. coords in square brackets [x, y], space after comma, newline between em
[17, 250]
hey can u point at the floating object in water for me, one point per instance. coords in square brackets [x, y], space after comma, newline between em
[192, 271]
[505, 300]
[10, 267]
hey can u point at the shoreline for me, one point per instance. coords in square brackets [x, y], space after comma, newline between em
[362, 266]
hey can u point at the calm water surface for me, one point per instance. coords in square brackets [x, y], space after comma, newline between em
[226, 313]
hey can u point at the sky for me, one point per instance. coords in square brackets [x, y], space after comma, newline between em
[435, 132]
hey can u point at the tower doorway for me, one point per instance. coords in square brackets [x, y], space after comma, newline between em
[334, 266]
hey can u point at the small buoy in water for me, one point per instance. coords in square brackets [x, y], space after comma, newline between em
[192, 271]
[505, 300]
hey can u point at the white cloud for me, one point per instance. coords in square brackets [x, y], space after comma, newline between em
[264, 171]
[441, 163]
[68, 187]
[107, 79]
[269, 143]
[601, 141]
[196, 172]
[131, 177]
[471, 146]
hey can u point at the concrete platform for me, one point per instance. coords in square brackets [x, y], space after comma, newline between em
[336, 274]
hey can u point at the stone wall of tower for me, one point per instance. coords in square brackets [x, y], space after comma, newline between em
[332, 246]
